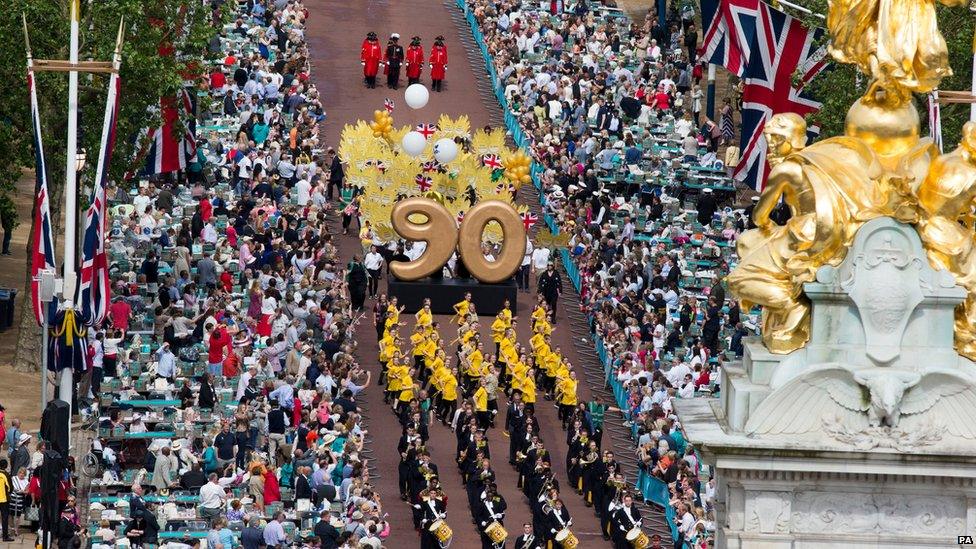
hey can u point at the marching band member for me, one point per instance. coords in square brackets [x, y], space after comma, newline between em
[528, 539]
[490, 508]
[625, 518]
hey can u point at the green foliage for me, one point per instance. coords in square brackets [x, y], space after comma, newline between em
[145, 76]
[841, 85]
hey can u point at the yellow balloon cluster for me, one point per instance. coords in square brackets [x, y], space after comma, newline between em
[517, 168]
[382, 124]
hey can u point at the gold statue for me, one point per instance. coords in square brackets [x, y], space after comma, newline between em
[896, 42]
[830, 190]
[946, 199]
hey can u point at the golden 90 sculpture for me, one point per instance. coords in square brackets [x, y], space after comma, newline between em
[881, 166]
[443, 235]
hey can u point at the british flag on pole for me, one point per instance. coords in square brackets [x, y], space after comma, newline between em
[42, 252]
[93, 292]
[785, 57]
[729, 29]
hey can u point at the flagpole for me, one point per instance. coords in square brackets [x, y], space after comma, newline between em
[66, 385]
[710, 93]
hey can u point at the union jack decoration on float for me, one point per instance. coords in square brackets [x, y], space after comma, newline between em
[431, 166]
[427, 130]
[529, 220]
[729, 29]
[491, 161]
[93, 292]
[42, 253]
[424, 182]
[388, 104]
[781, 47]
[460, 217]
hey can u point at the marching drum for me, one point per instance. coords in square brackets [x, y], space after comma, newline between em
[566, 539]
[637, 538]
[441, 530]
[496, 532]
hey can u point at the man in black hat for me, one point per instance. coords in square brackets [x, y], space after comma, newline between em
[394, 58]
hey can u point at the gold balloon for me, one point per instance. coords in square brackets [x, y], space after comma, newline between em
[436, 197]
[509, 258]
[439, 232]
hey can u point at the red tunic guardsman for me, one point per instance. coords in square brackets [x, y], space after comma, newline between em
[415, 60]
[371, 56]
[438, 63]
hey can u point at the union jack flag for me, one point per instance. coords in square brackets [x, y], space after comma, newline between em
[781, 47]
[460, 217]
[93, 292]
[431, 166]
[424, 182]
[529, 219]
[388, 104]
[166, 153]
[491, 161]
[730, 26]
[42, 254]
[427, 130]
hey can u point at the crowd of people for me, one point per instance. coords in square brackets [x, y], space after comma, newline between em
[425, 387]
[224, 380]
[629, 168]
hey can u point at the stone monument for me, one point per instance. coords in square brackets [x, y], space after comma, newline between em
[852, 421]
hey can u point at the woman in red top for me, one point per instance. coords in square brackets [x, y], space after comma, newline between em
[438, 63]
[272, 490]
[662, 101]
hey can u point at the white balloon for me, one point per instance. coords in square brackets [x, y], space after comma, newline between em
[413, 143]
[445, 150]
[416, 96]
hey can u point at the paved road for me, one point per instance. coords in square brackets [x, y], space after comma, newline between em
[335, 32]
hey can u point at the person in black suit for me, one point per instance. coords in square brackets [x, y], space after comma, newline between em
[394, 58]
[528, 539]
[490, 508]
[625, 518]
[432, 509]
[336, 174]
[558, 518]
[707, 206]
[326, 532]
[303, 488]
[549, 287]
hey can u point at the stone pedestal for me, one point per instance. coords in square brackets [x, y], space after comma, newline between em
[866, 437]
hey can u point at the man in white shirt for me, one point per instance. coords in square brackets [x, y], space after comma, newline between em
[212, 498]
[244, 380]
[373, 261]
[166, 365]
[303, 192]
[540, 259]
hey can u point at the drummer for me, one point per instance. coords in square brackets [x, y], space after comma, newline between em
[433, 511]
[626, 519]
[559, 520]
[490, 509]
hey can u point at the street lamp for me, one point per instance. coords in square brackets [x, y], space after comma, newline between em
[80, 160]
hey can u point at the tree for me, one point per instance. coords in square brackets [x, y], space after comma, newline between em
[151, 28]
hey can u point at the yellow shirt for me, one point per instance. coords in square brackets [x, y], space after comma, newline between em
[507, 351]
[392, 315]
[430, 350]
[387, 346]
[424, 318]
[528, 391]
[474, 363]
[506, 315]
[567, 388]
[418, 340]
[498, 328]
[461, 308]
[449, 391]
[536, 341]
[481, 400]
[538, 314]
[393, 375]
[406, 393]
